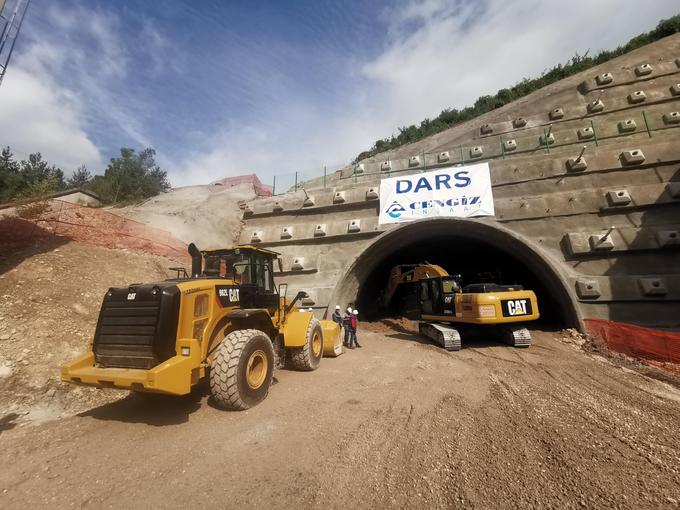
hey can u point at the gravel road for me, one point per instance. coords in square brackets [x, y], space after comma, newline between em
[399, 423]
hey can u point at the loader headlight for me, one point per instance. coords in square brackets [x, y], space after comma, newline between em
[185, 351]
[487, 311]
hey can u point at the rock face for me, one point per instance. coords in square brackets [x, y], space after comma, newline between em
[595, 231]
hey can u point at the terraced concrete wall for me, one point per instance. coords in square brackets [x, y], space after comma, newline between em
[605, 219]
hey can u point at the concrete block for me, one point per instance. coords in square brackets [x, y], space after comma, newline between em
[385, 166]
[577, 164]
[256, 236]
[627, 126]
[577, 242]
[673, 189]
[476, 152]
[309, 202]
[298, 264]
[339, 197]
[519, 122]
[443, 157]
[556, 114]
[618, 197]
[604, 78]
[320, 230]
[585, 133]
[486, 129]
[601, 242]
[414, 161]
[287, 232]
[643, 70]
[595, 106]
[675, 89]
[277, 207]
[372, 194]
[632, 157]
[247, 211]
[354, 226]
[677, 62]
[668, 238]
[671, 118]
[637, 97]
[359, 169]
[509, 145]
[550, 139]
[588, 289]
[652, 286]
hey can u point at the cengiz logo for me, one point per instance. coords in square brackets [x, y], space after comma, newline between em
[395, 210]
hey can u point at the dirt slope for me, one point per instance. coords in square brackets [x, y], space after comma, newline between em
[206, 215]
[398, 423]
[50, 294]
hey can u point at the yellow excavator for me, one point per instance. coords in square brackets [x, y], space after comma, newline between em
[428, 293]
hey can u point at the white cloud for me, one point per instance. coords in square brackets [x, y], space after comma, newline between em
[439, 54]
[35, 118]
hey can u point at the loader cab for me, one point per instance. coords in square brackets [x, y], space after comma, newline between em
[251, 268]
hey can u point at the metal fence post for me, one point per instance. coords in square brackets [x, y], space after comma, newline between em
[592, 125]
[296, 180]
[274, 186]
[324, 177]
[644, 116]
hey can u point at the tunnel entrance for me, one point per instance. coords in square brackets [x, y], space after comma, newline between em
[461, 246]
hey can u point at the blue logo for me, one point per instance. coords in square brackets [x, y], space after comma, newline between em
[395, 210]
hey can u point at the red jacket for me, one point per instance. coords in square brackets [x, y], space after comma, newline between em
[353, 322]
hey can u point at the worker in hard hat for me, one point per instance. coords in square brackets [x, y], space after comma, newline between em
[347, 326]
[337, 316]
[354, 322]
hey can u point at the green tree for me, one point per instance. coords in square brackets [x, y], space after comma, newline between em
[10, 178]
[38, 174]
[130, 177]
[80, 178]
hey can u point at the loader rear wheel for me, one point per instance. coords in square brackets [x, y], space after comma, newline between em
[308, 357]
[241, 370]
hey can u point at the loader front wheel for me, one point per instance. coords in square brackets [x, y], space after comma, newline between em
[241, 370]
[308, 357]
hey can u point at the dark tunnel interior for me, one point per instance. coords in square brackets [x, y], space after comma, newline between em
[467, 257]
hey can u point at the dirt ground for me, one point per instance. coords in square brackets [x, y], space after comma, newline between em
[50, 293]
[398, 423]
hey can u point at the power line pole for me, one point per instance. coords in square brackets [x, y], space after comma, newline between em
[11, 16]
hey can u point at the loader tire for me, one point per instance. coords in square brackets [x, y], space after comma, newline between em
[241, 370]
[308, 357]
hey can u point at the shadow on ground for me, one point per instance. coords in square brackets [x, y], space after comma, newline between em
[150, 408]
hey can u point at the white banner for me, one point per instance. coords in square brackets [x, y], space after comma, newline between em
[462, 191]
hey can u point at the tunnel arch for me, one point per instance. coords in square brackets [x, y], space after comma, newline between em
[442, 237]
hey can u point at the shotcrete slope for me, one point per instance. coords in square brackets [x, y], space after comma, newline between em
[207, 215]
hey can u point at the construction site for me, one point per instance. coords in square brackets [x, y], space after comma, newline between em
[185, 348]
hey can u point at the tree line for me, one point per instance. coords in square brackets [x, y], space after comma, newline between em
[452, 116]
[130, 177]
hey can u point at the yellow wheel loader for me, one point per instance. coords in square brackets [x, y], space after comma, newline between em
[226, 321]
[443, 306]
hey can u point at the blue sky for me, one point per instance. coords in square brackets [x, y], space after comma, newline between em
[226, 88]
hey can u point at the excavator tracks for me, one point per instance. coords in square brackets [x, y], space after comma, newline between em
[446, 336]
[517, 337]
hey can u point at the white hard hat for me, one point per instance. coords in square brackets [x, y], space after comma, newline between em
[349, 309]
[337, 307]
[356, 312]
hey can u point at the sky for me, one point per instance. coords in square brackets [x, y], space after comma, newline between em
[224, 88]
